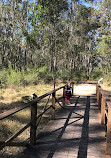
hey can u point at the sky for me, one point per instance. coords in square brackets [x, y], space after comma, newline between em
[88, 4]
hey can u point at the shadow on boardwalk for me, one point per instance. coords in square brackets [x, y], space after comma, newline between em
[75, 133]
[83, 145]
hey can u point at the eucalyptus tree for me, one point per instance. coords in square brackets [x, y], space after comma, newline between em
[52, 20]
[11, 35]
[5, 31]
[62, 35]
[48, 23]
[82, 25]
[104, 49]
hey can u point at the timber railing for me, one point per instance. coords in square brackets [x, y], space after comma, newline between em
[104, 104]
[33, 124]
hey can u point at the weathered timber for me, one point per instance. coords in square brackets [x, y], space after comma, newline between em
[63, 100]
[44, 111]
[103, 104]
[105, 101]
[34, 117]
[12, 111]
[53, 105]
[17, 109]
[108, 137]
[72, 85]
[7, 142]
[15, 144]
[33, 124]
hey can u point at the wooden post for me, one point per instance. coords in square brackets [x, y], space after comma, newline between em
[96, 89]
[103, 104]
[108, 137]
[98, 96]
[72, 88]
[99, 100]
[97, 93]
[33, 124]
[63, 100]
[53, 105]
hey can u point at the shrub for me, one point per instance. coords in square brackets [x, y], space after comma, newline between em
[45, 75]
[63, 75]
[96, 74]
[3, 78]
[13, 77]
[31, 76]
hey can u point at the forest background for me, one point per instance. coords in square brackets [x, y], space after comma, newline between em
[44, 40]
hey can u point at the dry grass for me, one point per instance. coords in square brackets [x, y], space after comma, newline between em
[10, 98]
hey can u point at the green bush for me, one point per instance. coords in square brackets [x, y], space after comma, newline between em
[13, 77]
[108, 78]
[45, 75]
[31, 77]
[3, 78]
[80, 76]
[96, 74]
[63, 75]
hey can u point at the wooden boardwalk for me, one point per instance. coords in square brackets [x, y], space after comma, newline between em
[75, 133]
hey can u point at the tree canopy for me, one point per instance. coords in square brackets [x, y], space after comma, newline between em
[67, 38]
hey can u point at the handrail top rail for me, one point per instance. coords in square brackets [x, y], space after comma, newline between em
[26, 105]
[106, 97]
[109, 105]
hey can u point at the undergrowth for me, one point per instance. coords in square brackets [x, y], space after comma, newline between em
[33, 76]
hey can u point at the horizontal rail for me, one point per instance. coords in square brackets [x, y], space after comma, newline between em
[109, 104]
[17, 109]
[12, 111]
[104, 104]
[17, 144]
[14, 136]
[33, 121]
[44, 111]
[7, 142]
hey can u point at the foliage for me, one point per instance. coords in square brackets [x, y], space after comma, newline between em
[33, 76]
[58, 38]
[45, 75]
[97, 74]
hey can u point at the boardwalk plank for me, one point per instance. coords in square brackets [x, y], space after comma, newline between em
[75, 133]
